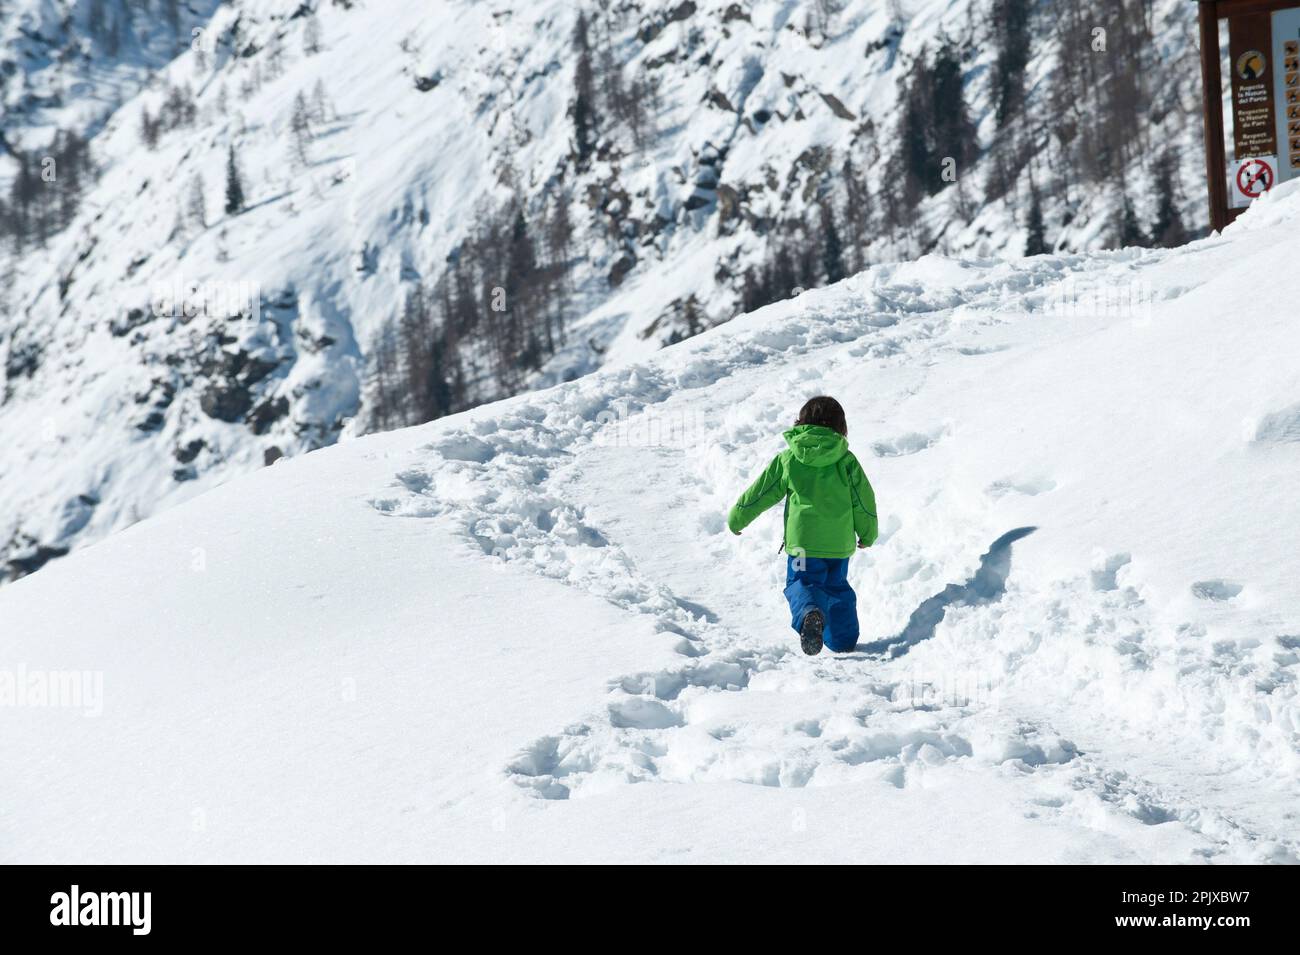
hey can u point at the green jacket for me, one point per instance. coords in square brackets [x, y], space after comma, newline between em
[828, 499]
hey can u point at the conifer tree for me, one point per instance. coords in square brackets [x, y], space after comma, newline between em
[832, 249]
[1130, 229]
[584, 88]
[196, 206]
[234, 185]
[1036, 239]
[1168, 229]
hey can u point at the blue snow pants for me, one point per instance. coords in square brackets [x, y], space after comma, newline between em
[822, 582]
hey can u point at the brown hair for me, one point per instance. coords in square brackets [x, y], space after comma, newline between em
[824, 411]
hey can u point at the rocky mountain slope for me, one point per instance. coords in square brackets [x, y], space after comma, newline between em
[438, 204]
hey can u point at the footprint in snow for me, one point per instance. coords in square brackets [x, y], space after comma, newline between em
[465, 447]
[1216, 590]
[711, 523]
[1028, 486]
[912, 442]
[1106, 568]
[640, 713]
[812, 728]
[1279, 427]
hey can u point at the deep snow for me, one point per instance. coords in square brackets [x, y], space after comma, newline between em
[523, 632]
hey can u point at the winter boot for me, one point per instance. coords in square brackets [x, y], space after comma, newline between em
[810, 632]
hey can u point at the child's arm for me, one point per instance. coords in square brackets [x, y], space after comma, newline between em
[759, 496]
[863, 497]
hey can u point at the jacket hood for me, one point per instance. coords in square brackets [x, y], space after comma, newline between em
[816, 446]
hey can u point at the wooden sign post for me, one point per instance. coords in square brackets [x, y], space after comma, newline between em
[1264, 82]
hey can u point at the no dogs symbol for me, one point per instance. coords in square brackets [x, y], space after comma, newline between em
[1255, 177]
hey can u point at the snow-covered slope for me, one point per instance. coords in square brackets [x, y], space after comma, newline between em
[69, 64]
[149, 355]
[523, 632]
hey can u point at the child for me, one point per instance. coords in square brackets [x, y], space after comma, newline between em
[828, 503]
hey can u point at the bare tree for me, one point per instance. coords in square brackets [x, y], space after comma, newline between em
[196, 204]
[311, 35]
[300, 129]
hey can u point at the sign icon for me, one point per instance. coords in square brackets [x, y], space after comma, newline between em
[1294, 128]
[1291, 48]
[1293, 112]
[1255, 177]
[1250, 65]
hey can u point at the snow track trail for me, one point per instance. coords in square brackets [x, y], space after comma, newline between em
[525, 634]
[972, 661]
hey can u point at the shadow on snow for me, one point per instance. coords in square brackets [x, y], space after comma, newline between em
[987, 585]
